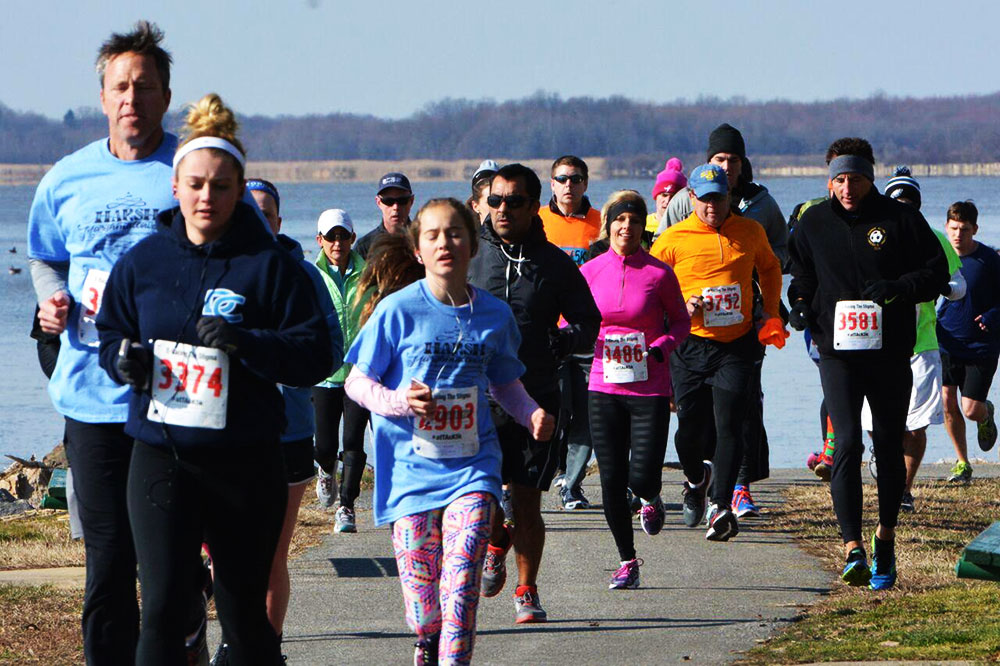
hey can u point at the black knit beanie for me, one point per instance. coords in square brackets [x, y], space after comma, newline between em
[726, 139]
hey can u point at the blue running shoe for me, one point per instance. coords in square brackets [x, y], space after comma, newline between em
[742, 503]
[883, 572]
[856, 572]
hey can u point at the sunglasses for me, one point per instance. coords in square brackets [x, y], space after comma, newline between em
[392, 201]
[335, 236]
[513, 201]
[576, 179]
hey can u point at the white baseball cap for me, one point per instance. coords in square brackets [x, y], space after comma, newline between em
[333, 217]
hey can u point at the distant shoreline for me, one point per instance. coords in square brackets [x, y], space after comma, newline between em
[369, 171]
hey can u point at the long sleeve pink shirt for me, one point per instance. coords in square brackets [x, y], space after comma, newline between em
[636, 293]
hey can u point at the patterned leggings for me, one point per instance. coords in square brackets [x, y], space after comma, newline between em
[440, 555]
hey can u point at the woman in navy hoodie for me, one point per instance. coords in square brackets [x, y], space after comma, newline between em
[203, 319]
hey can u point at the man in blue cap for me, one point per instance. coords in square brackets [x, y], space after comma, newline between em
[714, 254]
[394, 199]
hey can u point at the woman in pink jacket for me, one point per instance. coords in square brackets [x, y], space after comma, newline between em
[643, 319]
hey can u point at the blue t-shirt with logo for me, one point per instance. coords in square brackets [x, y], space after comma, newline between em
[90, 209]
[412, 335]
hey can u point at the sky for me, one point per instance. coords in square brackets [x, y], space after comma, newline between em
[390, 59]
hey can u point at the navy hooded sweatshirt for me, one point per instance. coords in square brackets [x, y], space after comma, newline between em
[161, 287]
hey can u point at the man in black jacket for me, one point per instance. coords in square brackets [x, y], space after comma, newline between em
[860, 264]
[540, 282]
[394, 200]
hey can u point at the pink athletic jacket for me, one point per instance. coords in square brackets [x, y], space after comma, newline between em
[634, 293]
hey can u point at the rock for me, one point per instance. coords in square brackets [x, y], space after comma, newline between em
[14, 508]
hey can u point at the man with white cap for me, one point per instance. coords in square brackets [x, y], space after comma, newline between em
[341, 268]
[860, 264]
[394, 200]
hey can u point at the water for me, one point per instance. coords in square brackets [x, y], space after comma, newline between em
[29, 425]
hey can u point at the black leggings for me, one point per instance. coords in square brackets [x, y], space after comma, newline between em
[329, 404]
[621, 425]
[233, 499]
[887, 384]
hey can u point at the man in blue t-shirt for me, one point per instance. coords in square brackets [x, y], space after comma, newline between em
[89, 209]
[968, 330]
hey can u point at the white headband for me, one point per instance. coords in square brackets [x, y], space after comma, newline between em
[208, 142]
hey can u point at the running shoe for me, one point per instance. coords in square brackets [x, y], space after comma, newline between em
[634, 503]
[221, 657]
[723, 525]
[425, 651]
[326, 488]
[856, 572]
[883, 571]
[694, 498]
[494, 571]
[743, 503]
[961, 473]
[343, 520]
[527, 605]
[507, 506]
[907, 503]
[573, 498]
[559, 481]
[651, 516]
[627, 576]
[824, 467]
[987, 429]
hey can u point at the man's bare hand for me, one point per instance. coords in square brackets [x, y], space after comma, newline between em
[53, 313]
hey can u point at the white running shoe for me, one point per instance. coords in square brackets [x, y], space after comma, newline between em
[326, 488]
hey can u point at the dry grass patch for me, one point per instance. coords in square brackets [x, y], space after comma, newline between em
[37, 540]
[40, 625]
[929, 615]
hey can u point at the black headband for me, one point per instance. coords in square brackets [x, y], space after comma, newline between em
[625, 206]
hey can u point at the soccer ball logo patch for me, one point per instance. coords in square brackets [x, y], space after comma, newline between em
[876, 237]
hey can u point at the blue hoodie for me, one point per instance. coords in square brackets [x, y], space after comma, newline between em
[160, 289]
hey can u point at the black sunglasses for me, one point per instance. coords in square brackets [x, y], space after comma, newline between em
[337, 236]
[392, 201]
[575, 178]
[513, 201]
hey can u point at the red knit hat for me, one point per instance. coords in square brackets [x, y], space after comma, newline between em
[671, 179]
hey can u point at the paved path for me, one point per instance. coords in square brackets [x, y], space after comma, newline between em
[700, 601]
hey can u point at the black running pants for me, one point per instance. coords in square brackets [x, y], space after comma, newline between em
[329, 404]
[887, 384]
[233, 499]
[629, 435]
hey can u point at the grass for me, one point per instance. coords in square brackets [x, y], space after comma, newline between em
[38, 539]
[40, 625]
[930, 615]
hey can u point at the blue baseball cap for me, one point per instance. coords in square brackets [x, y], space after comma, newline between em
[708, 179]
[394, 179]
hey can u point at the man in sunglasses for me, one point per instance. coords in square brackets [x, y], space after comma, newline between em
[573, 224]
[394, 200]
[539, 282]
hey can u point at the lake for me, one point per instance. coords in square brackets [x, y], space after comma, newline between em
[29, 424]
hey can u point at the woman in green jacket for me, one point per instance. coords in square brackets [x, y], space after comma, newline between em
[341, 269]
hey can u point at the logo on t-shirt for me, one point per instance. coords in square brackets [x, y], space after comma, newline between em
[223, 303]
[876, 237]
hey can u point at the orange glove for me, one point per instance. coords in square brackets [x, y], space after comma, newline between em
[773, 332]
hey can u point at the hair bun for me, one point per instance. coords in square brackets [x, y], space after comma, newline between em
[209, 116]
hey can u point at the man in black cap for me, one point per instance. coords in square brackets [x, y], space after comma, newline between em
[749, 199]
[394, 199]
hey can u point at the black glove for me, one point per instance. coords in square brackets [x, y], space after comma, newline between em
[134, 365]
[561, 343]
[798, 316]
[656, 353]
[881, 291]
[217, 332]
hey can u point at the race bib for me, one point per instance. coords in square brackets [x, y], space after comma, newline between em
[857, 325]
[453, 430]
[190, 385]
[624, 358]
[721, 306]
[90, 305]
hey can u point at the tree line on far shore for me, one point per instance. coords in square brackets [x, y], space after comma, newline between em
[634, 135]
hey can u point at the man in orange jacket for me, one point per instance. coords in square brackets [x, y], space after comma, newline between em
[714, 253]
